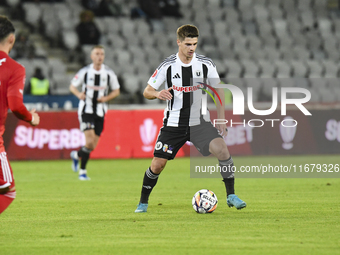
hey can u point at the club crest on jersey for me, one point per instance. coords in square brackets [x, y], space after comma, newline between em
[158, 146]
[198, 73]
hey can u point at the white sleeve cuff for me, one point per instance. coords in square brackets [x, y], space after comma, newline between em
[5, 185]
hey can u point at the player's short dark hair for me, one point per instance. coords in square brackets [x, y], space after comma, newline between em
[187, 31]
[6, 27]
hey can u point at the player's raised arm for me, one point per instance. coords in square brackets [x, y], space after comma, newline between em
[151, 93]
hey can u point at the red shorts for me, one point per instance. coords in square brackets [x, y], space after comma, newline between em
[6, 175]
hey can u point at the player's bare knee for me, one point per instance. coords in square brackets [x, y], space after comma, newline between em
[157, 166]
[221, 151]
[90, 144]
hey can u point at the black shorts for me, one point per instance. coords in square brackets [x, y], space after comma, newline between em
[91, 121]
[171, 139]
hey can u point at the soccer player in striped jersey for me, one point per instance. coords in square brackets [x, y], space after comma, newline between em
[95, 80]
[12, 81]
[183, 118]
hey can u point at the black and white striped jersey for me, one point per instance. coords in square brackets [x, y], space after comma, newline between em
[95, 84]
[184, 109]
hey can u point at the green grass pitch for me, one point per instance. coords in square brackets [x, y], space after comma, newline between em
[55, 213]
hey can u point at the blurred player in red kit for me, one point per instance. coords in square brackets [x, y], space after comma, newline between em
[12, 81]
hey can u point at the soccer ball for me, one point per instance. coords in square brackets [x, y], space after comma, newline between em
[204, 201]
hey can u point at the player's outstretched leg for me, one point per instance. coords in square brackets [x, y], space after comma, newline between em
[229, 181]
[149, 182]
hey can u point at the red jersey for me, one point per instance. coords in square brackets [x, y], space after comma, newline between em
[12, 81]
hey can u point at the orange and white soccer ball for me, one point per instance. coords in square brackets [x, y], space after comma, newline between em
[204, 201]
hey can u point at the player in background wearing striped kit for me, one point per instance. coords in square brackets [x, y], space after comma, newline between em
[95, 80]
[12, 81]
[183, 120]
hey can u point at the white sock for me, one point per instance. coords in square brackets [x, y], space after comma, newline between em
[82, 171]
[75, 155]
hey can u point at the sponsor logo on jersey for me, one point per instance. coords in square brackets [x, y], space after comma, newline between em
[187, 89]
[97, 88]
[177, 76]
